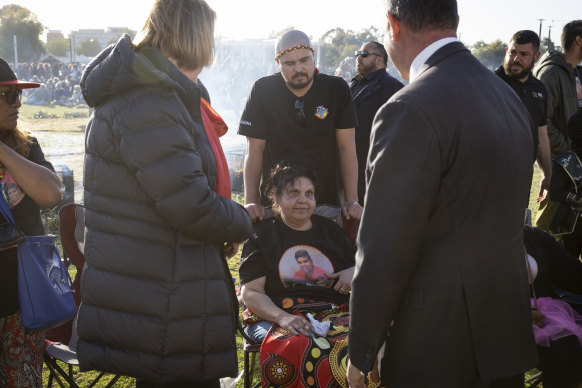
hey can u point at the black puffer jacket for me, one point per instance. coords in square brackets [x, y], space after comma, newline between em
[156, 302]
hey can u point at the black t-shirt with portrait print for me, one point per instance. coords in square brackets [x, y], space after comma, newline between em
[27, 217]
[271, 252]
[270, 114]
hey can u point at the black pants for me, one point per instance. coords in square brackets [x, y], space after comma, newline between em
[561, 363]
[185, 384]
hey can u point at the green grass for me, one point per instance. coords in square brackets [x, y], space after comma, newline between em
[58, 111]
[535, 188]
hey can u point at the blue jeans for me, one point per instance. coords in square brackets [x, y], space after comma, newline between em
[257, 331]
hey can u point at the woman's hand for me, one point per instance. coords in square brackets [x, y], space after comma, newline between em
[344, 283]
[295, 324]
[254, 297]
[536, 317]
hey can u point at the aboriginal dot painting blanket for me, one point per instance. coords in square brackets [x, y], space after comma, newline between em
[289, 360]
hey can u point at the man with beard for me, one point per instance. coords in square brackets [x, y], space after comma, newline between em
[440, 292]
[371, 88]
[561, 75]
[520, 57]
[300, 114]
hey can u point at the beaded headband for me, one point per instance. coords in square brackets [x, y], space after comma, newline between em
[291, 49]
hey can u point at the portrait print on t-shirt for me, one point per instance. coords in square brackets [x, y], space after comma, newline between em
[306, 266]
[11, 191]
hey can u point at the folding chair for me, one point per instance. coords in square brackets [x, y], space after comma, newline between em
[251, 351]
[60, 342]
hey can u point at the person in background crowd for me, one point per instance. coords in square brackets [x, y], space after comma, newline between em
[158, 301]
[520, 57]
[28, 183]
[440, 254]
[371, 88]
[560, 73]
[300, 113]
[566, 190]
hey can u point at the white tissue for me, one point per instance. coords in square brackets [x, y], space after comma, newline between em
[320, 328]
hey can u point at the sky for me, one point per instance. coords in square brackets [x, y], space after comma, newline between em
[485, 20]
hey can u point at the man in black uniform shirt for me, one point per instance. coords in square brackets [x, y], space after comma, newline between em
[371, 88]
[300, 114]
[520, 57]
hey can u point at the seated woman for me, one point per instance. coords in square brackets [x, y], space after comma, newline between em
[297, 263]
[558, 331]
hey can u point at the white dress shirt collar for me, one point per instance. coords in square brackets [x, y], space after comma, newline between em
[425, 54]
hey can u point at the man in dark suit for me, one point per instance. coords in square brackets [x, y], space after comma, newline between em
[440, 292]
[371, 88]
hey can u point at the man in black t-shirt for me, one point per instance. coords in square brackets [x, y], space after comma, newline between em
[520, 57]
[302, 115]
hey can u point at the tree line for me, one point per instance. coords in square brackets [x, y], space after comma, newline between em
[336, 44]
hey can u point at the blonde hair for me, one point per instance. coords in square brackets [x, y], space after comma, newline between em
[183, 30]
[17, 139]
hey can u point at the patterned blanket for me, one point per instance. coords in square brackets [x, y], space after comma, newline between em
[289, 360]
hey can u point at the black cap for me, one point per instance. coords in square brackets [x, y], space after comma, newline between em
[8, 78]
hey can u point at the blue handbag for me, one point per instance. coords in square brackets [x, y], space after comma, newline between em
[44, 284]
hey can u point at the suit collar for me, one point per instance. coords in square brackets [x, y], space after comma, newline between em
[432, 54]
[374, 84]
[369, 77]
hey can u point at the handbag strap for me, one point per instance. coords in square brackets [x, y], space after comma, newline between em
[5, 208]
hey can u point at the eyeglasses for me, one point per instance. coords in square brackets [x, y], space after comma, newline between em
[365, 53]
[299, 113]
[11, 96]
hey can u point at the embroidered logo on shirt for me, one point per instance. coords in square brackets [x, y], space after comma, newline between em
[538, 96]
[321, 112]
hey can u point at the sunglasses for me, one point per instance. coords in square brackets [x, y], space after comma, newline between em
[299, 113]
[364, 54]
[11, 96]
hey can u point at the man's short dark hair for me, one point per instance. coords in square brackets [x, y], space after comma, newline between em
[425, 14]
[380, 47]
[302, 253]
[570, 32]
[525, 37]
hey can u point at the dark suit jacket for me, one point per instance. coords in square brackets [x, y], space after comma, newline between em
[440, 246]
[367, 101]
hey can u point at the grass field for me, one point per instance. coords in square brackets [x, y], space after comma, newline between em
[65, 130]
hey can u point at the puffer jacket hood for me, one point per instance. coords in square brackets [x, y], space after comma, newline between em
[157, 298]
[118, 69]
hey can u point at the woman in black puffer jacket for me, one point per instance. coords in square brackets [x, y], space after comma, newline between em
[156, 300]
